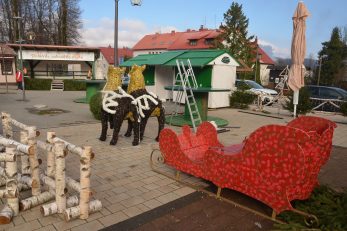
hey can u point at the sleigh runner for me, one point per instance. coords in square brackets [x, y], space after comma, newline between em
[276, 164]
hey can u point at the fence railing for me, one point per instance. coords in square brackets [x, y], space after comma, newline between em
[330, 105]
[61, 74]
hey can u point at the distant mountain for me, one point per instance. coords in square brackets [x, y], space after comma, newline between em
[312, 63]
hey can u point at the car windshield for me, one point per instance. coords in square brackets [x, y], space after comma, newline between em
[343, 92]
[253, 84]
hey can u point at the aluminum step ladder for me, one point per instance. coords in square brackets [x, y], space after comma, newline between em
[185, 78]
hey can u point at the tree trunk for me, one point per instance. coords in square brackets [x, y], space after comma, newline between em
[6, 215]
[50, 156]
[52, 208]
[73, 184]
[70, 147]
[47, 181]
[6, 124]
[25, 158]
[34, 163]
[85, 181]
[75, 212]
[6, 157]
[35, 201]
[20, 147]
[60, 190]
[11, 183]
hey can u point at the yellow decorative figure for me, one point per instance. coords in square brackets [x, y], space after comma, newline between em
[114, 78]
[137, 81]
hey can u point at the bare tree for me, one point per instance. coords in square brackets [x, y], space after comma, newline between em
[53, 21]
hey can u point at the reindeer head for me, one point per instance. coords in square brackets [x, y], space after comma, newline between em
[137, 81]
[114, 78]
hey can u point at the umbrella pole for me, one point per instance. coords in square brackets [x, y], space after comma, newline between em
[295, 101]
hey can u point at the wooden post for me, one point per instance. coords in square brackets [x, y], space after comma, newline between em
[60, 190]
[25, 158]
[11, 182]
[85, 181]
[6, 125]
[50, 156]
[34, 163]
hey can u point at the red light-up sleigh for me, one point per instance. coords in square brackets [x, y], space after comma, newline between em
[275, 164]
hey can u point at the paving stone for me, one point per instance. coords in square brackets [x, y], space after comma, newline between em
[167, 197]
[113, 218]
[18, 220]
[44, 221]
[115, 207]
[63, 225]
[32, 225]
[90, 226]
[132, 211]
[94, 216]
[184, 191]
[46, 228]
[152, 203]
[132, 201]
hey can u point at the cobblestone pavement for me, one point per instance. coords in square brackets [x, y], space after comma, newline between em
[121, 174]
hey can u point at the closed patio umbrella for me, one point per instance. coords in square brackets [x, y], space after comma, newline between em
[298, 51]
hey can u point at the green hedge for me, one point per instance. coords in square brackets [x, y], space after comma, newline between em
[74, 85]
[241, 99]
[95, 105]
[38, 84]
[304, 105]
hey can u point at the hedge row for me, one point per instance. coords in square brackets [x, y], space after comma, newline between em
[45, 84]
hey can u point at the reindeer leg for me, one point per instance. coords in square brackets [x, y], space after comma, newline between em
[130, 128]
[143, 126]
[161, 121]
[104, 121]
[117, 122]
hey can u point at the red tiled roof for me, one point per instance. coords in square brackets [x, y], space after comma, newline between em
[157, 41]
[181, 41]
[108, 53]
[264, 57]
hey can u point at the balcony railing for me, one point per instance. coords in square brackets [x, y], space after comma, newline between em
[60, 74]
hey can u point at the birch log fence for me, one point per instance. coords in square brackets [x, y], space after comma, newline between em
[53, 178]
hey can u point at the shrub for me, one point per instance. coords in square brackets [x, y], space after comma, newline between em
[241, 99]
[95, 105]
[74, 85]
[37, 84]
[343, 109]
[304, 105]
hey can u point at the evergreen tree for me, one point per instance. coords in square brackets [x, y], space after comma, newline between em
[234, 35]
[332, 55]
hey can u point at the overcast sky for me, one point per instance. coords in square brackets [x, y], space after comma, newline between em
[270, 20]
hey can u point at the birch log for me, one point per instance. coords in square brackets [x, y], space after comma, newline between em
[70, 147]
[35, 201]
[73, 184]
[74, 212]
[19, 146]
[7, 157]
[52, 208]
[50, 155]
[11, 183]
[24, 158]
[47, 181]
[34, 163]
[6, 215]
[19, 124]
[85, 172]
[60, 195]
[6, 125]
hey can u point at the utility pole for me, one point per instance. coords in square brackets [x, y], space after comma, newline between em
[116, 63]
[20, 52]
[320, 67]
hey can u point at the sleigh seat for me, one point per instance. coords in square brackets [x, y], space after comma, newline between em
[275, 164]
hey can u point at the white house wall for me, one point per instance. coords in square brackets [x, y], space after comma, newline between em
[146, 52]
[11, 78]
[163, 77]
[223, 76]
[264, 74]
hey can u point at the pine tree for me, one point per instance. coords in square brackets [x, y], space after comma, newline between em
[234, 35]
[332, 55]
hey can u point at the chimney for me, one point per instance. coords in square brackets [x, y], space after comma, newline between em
[172, 32]
[188, 30]
[201, 28]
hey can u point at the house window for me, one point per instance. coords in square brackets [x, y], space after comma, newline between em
[209, 41]
[193, 42]
[6, 67]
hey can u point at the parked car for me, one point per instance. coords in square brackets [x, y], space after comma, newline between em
[319, 94]
[256, 88]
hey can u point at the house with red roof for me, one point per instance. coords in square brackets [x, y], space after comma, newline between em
[107, 58]
[195, 40]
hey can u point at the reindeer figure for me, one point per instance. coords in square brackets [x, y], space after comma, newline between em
[137, 105]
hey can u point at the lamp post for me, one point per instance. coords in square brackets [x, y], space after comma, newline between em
[20, 52]
[134, 3]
